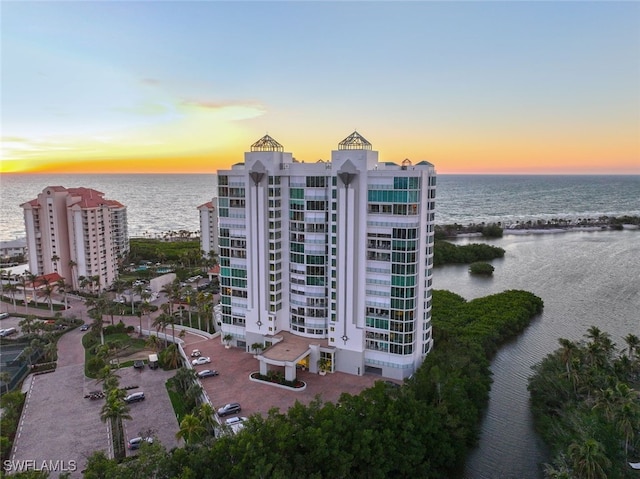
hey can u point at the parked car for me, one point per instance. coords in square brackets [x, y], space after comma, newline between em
[196, 353]
[201, 360]
[228, 409]
[7, 332]
[135, 397]
[205, 373]
[136, 442]
[84, 327]
[138, 364]
[234, 420]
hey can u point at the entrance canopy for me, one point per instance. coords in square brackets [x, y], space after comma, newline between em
[290, 349]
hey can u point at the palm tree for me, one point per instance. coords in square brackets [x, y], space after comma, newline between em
[153, 342]
[115, 410]
[160, 323]
[48, 292]
[589, 459]
[62, 287]
[172, 356]
[54, 259]
[27, 324]
[184, 378]
[633, 346]
[23, 282]
[191, 429]
[83, 282]
[32, 279]
[207, 416]
[12, 289]
[100, 306]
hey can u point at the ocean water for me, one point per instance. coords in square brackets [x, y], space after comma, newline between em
[160, 203]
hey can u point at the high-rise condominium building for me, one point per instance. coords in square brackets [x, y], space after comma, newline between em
[76, 233]
[328, 265]
[209, 227]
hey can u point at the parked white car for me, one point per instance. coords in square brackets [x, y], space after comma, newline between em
[201, 360]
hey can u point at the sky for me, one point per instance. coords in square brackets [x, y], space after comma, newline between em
[187, 86]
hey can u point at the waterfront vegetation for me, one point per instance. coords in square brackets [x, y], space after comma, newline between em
[496, 230]
[422, 429]
[481, 268]
[586, 406]
[445, 252]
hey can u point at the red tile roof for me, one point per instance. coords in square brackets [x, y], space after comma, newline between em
[42, 280]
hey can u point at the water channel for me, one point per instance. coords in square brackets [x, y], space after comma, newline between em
[585, 279]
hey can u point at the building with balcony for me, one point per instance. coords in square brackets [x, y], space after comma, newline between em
[328, 265]
[76, 233]
[209, 227]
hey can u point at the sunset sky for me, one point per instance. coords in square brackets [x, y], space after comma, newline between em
[473, 87]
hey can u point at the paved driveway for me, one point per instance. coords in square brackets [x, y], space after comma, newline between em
[60, 427]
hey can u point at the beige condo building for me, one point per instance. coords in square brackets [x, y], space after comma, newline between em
[76, 233]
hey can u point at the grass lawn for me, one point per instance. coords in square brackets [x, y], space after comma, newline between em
[127, 345]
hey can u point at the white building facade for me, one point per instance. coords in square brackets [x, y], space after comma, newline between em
[209, 227]
[328, 262]
[76, 233]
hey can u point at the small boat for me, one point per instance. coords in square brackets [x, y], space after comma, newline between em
[635, 465]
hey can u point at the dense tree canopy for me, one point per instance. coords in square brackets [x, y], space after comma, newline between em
[448, 253]
[586, 406]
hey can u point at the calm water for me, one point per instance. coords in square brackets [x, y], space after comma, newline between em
[159, 203]
[585, 279]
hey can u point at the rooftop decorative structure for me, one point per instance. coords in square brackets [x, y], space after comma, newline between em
[266, 143]
[355, 141]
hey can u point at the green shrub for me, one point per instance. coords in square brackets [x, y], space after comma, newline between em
[481, 268]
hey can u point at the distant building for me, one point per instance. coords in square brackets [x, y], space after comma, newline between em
[209, 226]
[328, 264]
[76, 233]
[13, 248]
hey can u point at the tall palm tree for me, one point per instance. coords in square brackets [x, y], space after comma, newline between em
[153, 342]
[95, 281]
[12, 289]
[115, 410]
[207, 416]
[160, 323]
[83, 282]
[32, 279]
[633, 346]
[62, 286]
[589, 459]
[48, 292]
[99, 307]
[54, 259]
[136, 290]
[27, 324]
[22, 281]
[191, 429]
[145, 309]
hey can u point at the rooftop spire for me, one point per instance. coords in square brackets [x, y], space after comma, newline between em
[266, 143]
[355, 141]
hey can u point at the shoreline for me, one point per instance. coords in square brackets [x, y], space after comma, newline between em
[541, 231]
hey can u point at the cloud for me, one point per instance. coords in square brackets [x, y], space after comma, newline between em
[226, 110]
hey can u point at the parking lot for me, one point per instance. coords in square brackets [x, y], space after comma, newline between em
[233, 383]
[58, 423]
[154, 416]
